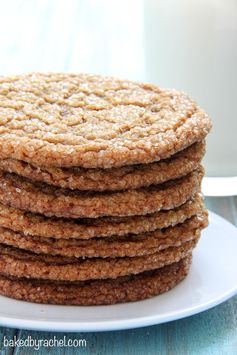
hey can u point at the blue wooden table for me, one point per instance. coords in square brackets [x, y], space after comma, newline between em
[85, 35]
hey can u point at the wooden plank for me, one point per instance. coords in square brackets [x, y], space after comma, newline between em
[6, 334]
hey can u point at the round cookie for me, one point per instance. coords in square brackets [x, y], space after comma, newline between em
[68, 120]
[131, 245]
[98, 292]
[121, 178]
[51, 201]
[28, 223]
[19, 263]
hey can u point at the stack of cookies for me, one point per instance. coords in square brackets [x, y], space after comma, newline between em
[99, 188]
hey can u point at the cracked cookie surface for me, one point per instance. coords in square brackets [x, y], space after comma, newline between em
[50, 201]
[131, 245]
[80, 120]
[97, 292]
[85, 228]
[18, 263]
[122, 178]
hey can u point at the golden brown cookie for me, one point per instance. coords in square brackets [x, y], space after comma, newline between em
[51, 201]
[37, 225]
[97, 292]
[69, 120]
[121, 178]
[19, 263]
[131, 245]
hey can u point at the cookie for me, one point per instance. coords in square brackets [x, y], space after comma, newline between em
[50, 201]
[37, 225]
[98, 292]
[19, 263]
[131, 245]
[79, 120]
[112, 179]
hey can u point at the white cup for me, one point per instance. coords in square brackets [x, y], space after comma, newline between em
[192, 46]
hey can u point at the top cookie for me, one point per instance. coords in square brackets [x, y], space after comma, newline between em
[80, 120]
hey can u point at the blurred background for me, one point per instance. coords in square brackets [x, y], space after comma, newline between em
[190, 45]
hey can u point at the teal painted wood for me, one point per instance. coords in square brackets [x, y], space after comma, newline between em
[6, 333]
[212, 332]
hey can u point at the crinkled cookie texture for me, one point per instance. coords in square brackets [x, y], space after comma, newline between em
[97, 292]
[50, 201]
[131, 245]
[80, 120]
[28, 223]
[19, 263]
[127, 177]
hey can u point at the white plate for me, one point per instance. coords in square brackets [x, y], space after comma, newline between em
[212, 280]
